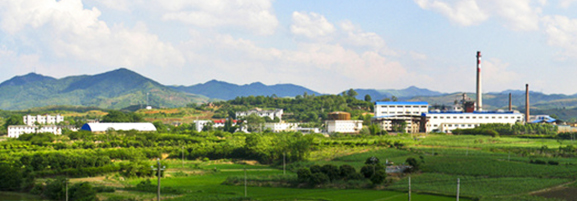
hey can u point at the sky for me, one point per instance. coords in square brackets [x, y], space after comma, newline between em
[325, 45]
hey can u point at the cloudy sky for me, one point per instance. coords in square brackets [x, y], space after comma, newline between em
[325, 45]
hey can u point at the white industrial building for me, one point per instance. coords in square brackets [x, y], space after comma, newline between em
[451, 120]
[261, 113]
[387, 108]
[31, 120]
[16, 130]
[103, 127]
[344, 126]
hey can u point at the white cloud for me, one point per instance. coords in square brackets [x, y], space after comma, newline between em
[496, 74]
[69, 31]
[311, 25]
[562, 32]
[466, 12]
[517, 15]
[253, 15]
[356, 36]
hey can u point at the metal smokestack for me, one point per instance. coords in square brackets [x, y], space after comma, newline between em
[479, 91]
[510, 103]
[526, 103]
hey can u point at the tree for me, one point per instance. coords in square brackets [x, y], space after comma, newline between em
[352, 93]
[331, 171]
[379, 177]
[228, 127]
[304, 175]
[347, 171]
[160, 127]
[82, 192]
[414, 163]
[13, 120]
[319, 178]
[368, 98]
[394, 99]
[11, 177]
[56, 188]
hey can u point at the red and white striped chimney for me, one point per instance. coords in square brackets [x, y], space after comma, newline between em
[479, 91]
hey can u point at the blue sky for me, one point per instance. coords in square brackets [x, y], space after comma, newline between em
[327, 46]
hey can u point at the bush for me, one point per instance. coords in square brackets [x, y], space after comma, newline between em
[331, 171]
[414, 163]
[553, 162]
[315, 169]
[304, 175]
[347, 171]
[379, 177]
[82, 192]
[319, 178]
[367, 170]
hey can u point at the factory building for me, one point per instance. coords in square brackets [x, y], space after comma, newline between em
[16, 130]
[465, 114]
[451, 120]
[103, 127]
[200, 124]
[391, 114]
[340, 122]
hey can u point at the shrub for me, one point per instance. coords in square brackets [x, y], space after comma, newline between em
[82, 192]
[367, 170]
[319, 178]
[304, 175]
[331, 171]
[414, 163]
[315, 169]
[379, 177]
[553, 162]
[347, 171]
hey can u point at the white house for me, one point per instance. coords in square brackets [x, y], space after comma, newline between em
[199, 124]
[261, 113]
[280, 127]
[42, 119]
[16, 130]
[344, 126]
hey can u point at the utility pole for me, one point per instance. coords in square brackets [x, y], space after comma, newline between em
[409, 188]
[66, 182]
[284, 163]
[158, 169]
[458, 187]
[245, 181]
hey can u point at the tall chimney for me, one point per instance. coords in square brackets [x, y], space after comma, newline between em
[526, 103]
[510, 103]
[479, 91]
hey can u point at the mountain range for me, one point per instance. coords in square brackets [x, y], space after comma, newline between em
[227, 91]
[115, 89]
[122, 88]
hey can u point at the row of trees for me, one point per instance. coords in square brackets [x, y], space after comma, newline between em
[497, 129]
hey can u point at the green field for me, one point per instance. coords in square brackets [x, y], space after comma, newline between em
[487, 168]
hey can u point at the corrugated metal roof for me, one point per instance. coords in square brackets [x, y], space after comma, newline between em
[400, 103]
[101, 127]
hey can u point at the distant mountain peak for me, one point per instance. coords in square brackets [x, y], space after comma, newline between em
[25, 79]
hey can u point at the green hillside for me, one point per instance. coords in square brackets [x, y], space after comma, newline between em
[114, 90]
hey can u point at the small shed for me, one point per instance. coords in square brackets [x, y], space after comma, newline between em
[103, 127]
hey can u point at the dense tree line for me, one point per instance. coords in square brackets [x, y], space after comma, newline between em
[305, 108]
[497, 129]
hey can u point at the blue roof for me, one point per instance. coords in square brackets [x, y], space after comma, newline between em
[544, 119]
[400, 103]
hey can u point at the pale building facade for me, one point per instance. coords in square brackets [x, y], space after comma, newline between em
[261, 113]
[448, 121]
[31, 120]
[344, 126]
[387, 108]
[16, 130]
[280, 127]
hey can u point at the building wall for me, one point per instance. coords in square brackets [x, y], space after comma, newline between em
[262, 113]
[399, 108]
[42, 119]
[344, 126]
[279, 127]
[16, 130]
[446, 122]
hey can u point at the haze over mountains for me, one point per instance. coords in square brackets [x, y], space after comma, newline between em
[123, 88]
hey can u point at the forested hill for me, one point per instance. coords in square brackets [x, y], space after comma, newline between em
[410, 92]
[115, 89]
[227, 91]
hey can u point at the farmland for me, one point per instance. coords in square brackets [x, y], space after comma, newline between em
[489, 168]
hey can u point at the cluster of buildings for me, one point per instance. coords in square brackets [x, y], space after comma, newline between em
[38, 124]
